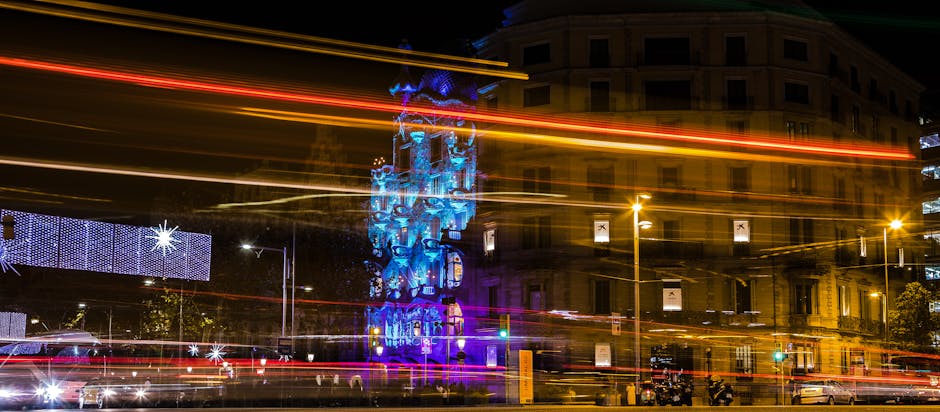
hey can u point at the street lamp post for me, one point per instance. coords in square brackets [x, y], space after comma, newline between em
[894, 225]
[636, 283]
[258, 250]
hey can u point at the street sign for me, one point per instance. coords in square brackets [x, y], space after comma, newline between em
[615, 323]
[426, 346]
[284, 346]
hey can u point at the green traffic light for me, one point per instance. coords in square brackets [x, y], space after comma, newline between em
[503, 333]
[778, 356]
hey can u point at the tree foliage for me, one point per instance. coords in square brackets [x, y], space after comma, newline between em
[911, 324]
[170, 312]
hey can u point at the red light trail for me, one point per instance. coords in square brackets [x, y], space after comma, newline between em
[874, 152]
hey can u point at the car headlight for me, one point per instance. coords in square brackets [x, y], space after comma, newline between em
[4, 393]
[108, 392]
[141, 393]
[53, 391]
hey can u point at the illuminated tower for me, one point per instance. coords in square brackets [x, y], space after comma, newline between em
[427, 191]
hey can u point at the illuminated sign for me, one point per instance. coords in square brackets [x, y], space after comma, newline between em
[672, 295]
[742, 231]
[489, 240]
[602, 231]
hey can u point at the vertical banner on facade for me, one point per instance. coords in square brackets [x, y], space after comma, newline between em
[601, 231]
[672, 295]
[742, 231]
[615, 323]
[602, 355]
[526, 382]
[491, 356]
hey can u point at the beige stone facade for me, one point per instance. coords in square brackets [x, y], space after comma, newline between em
[811, 227]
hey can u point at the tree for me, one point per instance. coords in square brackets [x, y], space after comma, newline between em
[912, 324]
[162, 319]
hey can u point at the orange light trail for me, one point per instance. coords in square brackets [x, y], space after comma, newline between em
[874, 152]
[78, 167]
[255, 30]
[562, 141]
[32, 8]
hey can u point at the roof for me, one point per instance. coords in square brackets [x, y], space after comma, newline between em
[527, 11]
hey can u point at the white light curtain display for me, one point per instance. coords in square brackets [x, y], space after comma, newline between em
[67, 243]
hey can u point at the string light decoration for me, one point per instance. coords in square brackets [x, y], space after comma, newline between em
[76, 244]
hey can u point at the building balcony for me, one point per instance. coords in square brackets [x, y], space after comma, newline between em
[804, 321]
[738, 103]
[930, 153]
[861, 326]
[931, 185]
[836, 73]
[804, 262]
[669, 58]
[709, 318]
[671, 249]
[676, 194]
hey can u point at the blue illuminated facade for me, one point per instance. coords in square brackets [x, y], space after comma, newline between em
[67, 243]
[427, 191]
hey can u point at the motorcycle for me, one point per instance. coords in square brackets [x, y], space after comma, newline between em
[674, 393]
[647, 394]
[684, 389]
[663, 391]
[719, 392]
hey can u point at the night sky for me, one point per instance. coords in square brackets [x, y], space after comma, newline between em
[902, 30]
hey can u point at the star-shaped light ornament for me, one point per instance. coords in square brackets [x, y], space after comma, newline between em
[5, 259]
[164, 238]
[194, 350]
[216, 353]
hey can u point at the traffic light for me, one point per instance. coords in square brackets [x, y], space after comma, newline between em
[778, 353]
[374, 333]
[504, 326]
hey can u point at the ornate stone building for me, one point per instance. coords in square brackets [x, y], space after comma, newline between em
[776, 148]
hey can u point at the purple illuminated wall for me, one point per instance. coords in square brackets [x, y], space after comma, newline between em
[67, 243]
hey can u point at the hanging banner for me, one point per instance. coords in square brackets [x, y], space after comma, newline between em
[742, 231]
[602, 354]
[602, 231]
[672, 295]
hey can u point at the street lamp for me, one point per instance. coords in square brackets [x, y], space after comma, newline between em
[636, 280]
[258, 250]
[894, 225]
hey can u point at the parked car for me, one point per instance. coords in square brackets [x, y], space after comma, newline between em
[141, 392]
[18, 393]
[824, 392]
[926, 394]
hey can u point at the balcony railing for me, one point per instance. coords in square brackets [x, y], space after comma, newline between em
[931, 185]
[861, 326]
[671, 249]
[677, 194]
[739, 103]
[707, 318]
